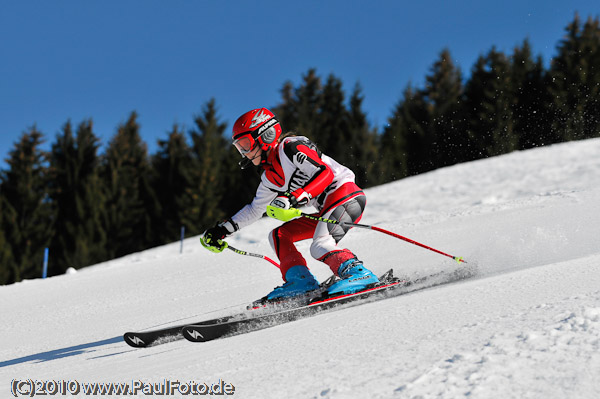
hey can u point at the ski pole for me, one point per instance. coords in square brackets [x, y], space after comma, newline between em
[289, 214]
[223, 244]
[240, 252]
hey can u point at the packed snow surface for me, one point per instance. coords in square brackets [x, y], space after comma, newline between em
[527, 326]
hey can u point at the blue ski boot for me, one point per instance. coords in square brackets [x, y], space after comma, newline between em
[354, 277]
[299, 281]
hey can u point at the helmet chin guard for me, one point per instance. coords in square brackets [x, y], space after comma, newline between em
[247, 162]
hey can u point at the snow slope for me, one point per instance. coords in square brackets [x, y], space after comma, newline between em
[527, 327]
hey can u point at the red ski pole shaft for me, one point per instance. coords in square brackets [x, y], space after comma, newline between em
[456, 258]
[379, 229]
[240, 252]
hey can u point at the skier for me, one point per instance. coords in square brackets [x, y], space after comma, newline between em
[296, 173]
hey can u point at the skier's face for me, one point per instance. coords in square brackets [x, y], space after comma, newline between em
[254, 155]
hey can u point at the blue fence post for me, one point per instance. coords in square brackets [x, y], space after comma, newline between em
[45, 266]
[182, 234]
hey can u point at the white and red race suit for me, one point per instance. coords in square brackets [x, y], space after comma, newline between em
[296, 166]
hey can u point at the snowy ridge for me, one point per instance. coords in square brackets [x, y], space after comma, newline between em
[528, 326]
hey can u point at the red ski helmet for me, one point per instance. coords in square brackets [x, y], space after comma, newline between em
[258, 127]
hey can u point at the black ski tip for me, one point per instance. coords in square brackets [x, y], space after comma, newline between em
[132, 339]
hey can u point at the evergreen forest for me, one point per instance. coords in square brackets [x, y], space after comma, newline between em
[89, 206]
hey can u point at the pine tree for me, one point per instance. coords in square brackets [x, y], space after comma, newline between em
[287, 111]
[79, 239]
[332, 132]
[209, 148]
[299, 111]
[490, 105]
[7, 264]
[414, 126]
[394, 139]
[530, 98]
[363, 143]
[129, 198]
[427, 128]
[27, 214]
[173, 181]
[445, 123]
[575, 87]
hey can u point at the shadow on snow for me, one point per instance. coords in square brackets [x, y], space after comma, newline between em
[61, 353]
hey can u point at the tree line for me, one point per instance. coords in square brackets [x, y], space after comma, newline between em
[88, 207]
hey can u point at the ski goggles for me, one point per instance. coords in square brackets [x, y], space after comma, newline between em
[245, 144]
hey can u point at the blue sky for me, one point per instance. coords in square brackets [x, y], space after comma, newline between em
[74, 60]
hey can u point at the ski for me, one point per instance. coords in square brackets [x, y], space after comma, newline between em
[144, 339]
[208, 331]
[389, 287]
[264, 314]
